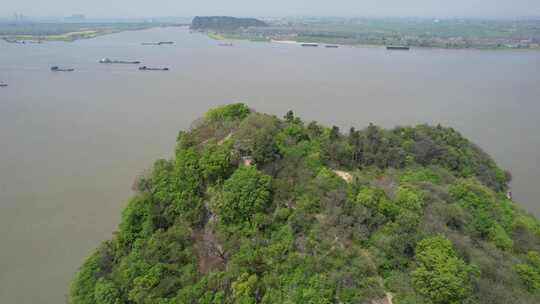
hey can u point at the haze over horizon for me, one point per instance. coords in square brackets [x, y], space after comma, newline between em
[344, 8]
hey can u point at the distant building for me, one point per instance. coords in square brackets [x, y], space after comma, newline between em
[525, 43]
[18, 17]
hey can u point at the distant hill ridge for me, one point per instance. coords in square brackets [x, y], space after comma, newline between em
[224, 23]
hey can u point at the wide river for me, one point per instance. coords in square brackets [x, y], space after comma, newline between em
[72, 143]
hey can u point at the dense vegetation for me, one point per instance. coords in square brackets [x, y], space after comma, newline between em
[224, 23]
[257, 209]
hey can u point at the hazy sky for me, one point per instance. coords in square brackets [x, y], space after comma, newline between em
[132, 8]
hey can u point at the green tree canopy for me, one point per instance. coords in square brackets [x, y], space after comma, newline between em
[246, 193]
[441, 276]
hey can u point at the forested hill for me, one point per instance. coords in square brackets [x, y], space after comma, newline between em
[224, 23]
[257, 209]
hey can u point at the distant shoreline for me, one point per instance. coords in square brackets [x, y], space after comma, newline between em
[223, 36]
[450, 34]
[87, 32]
[90, 32]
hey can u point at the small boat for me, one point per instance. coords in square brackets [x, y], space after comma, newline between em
[309, 45]
[331, 46]
[397, 48]
[145, 68]
[58, 69]
[226, 44]
[107, 60]
[3, 85]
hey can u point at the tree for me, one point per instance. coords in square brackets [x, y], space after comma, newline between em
[244, 194]
[374, 136]
[334, 133]
[216, 162]
[409, 198]
[133, 218]
[255, 138]
[264, 149]
[530, 271]
[377, 201]
[106, 292]
[355, 141]
[441, 276]
[185, 140]
[243, 289]
[426, 150]
[228, 112]
[89, 285]
[289, 117]
[335, 152]
[314, 130]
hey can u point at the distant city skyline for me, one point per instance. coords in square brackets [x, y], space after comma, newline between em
[340, 8]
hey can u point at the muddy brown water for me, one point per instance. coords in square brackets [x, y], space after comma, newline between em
[71, 143]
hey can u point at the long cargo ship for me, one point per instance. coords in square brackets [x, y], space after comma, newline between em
[158, 43]
[3, 85]
[107, 60]
[145, 68]
[397, 48]
[309, 44]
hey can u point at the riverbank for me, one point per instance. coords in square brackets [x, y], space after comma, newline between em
[482, 34]
[67, 32]
[68, 37]
[299, 39]
[232, 36]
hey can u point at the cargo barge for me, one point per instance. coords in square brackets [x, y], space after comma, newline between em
[107, 60]
[58, 69]
[397, 48]
[158, 43]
